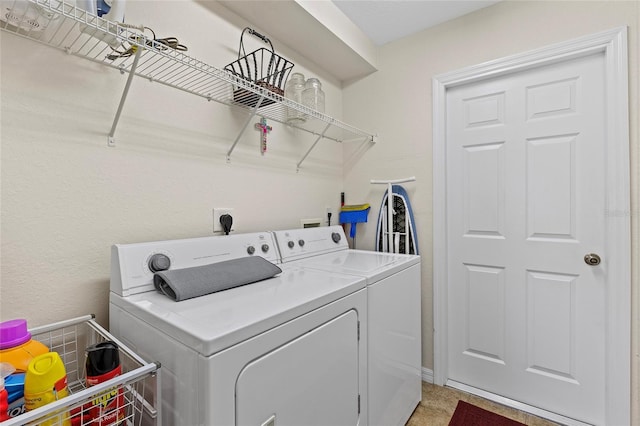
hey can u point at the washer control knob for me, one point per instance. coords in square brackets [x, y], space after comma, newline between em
[159, 262]
[301, 243]
[335, 237]
[251, 249]
[291, 244]
[265, 248]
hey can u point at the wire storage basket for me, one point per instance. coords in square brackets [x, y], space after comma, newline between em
[137, 387]
[262, 67]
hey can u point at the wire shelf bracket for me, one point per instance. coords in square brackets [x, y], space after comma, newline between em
[304, 157]
[111, 138]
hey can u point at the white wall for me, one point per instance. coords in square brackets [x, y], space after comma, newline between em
[67, 197]
[398, 100]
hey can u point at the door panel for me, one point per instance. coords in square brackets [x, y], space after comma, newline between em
[551, 187]
[525, 196]
[550, 343]
[485, 326]
[483, 194]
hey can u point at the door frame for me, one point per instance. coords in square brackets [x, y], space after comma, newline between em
[613, 44]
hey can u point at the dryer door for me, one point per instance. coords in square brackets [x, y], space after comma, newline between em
[311, 380]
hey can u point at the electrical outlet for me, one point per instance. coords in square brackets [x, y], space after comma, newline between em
[329, 216]
[217, 212]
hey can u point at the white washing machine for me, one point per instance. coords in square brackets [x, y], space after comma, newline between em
[394, 314]
[289, 350]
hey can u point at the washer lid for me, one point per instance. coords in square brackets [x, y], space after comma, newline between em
[372, 265]
[220, 320]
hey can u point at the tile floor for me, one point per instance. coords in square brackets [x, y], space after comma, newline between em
[438, 404]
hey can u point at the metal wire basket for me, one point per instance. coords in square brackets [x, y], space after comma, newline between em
[138, 383]
[262, 67]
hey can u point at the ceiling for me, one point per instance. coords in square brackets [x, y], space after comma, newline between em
[384, 21]
[343, 36]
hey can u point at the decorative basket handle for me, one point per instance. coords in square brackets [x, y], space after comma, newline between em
[241, 51]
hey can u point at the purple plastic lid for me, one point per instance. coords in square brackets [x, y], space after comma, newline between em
[13, 333]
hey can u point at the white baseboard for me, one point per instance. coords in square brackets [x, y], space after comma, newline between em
[427, 375]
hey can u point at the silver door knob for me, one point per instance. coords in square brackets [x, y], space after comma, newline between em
[592, 259]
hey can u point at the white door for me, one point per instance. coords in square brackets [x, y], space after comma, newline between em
[526, 203]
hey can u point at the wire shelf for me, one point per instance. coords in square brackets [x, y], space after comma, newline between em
[73, 30]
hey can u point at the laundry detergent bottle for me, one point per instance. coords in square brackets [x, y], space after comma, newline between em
[16, 346]
[17, 349]
[46, 382]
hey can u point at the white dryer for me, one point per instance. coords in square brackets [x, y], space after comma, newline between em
[393, 308]
[289, 350]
